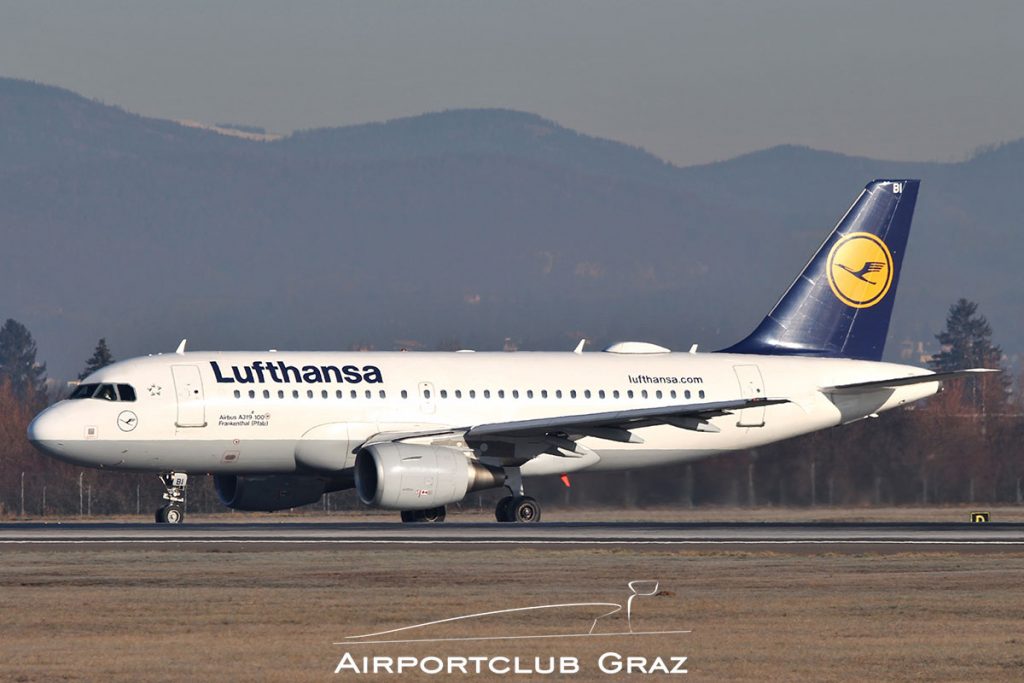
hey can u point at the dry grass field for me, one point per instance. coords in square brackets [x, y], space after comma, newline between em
[272, 613]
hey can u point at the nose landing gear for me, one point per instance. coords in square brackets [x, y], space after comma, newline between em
[174, 511]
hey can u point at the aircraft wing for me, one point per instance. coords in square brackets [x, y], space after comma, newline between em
[861, 387]
[615, 425]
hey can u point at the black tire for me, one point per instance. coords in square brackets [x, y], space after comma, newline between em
[501, 510]
[524, 510]
[434, 515]
[412, 516]
[173, 514]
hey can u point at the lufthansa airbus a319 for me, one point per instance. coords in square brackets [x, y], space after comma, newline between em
[415, 432]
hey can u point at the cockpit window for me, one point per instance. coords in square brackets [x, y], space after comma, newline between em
[106, 392]
[84, 391]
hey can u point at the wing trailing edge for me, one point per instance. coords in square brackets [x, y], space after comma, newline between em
[892, 383]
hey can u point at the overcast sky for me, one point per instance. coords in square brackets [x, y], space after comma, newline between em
[689, 81]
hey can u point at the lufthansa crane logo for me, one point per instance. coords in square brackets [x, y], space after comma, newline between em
[859, 269]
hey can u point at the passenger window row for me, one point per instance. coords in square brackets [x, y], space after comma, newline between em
[309, 393]
[572, 394]
[444, 394]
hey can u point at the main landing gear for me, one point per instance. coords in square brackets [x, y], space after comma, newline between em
[431, 515]
[516, 507]
[174, 511]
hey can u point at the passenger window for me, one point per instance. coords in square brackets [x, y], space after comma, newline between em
[629, 393]
[558, 393]
[382, 394]
[600, 394]
[643, 393]
[126, 392]
[426, 393]
[701, 393]
[586, 393]
[324, 394]
[515, 393]
[687, 394]
[458, 393]
[252, 393]
[266, 393]
[673, 393]
[501, 393]
[339, 394]
[295, 393]
[615, 394]
[369, 394]
[572, 393]
[405, 394]
[543, 393]
[444, 393]
[309, 393]
[658, 394]
[238, 394]
[487, 393]
[472, 393]
[353, 394]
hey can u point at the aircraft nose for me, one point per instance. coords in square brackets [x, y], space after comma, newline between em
[44, 431]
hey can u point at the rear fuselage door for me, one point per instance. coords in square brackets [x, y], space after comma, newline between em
[188, 385]
[751, 386]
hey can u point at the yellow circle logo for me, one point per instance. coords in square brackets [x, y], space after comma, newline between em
[859, 269]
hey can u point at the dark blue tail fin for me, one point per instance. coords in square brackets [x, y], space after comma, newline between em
[841, 304]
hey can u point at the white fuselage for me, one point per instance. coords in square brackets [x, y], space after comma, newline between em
[195, 412]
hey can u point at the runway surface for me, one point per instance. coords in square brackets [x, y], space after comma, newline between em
[1010, 536]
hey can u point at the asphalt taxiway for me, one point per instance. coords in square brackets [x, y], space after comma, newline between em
[1008, 535]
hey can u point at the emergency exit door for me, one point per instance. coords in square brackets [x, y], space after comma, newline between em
[188, 386]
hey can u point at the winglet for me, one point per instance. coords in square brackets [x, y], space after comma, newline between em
[181, 347]
[579, 347]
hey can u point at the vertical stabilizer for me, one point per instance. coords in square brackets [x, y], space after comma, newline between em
[841, 304]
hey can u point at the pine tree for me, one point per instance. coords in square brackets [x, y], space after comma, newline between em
[967, 343]
[101, 358]
[18, 362]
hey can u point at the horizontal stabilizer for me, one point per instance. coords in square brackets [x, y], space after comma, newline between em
[861, 387]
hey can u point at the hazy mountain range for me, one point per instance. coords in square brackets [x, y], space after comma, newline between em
[454, 228]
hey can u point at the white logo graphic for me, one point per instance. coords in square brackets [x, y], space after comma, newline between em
[636, 589]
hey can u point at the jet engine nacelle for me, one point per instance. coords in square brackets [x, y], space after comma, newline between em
[268, 493]
[403, 476]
